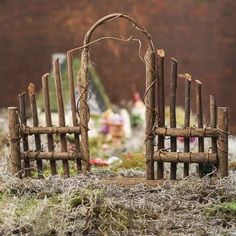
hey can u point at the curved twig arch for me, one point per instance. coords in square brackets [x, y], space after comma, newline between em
[114, 16]
[149, 97]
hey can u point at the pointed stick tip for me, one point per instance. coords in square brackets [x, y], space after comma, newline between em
[56, 62]
[12, 108]
[212, 98]
[69, 54]
[173, 59]
[185, 76]
[188, 76]
[181, 75]
[21, 94]
[45, 75]
[198, 82]
[31, 89]
[160, 52]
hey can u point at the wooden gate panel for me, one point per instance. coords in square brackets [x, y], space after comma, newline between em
[20, 131]
[217, 154]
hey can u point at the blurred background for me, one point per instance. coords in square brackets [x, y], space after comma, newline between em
[200, 34]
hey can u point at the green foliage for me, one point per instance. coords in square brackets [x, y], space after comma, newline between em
[47, 169]
[3, 198]
[55, 199]
[232, 165]
[225, 210]
[3, 140]
[73, 171]
[136, 120]
[180, 116]
[95, 146]
[98, 84]
[86, 197]
[76, 201]
[131, 160]
[65, 86]
[26, 206]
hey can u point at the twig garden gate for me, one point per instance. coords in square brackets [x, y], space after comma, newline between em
[155, 119]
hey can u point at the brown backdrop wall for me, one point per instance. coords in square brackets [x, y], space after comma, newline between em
[200, 34]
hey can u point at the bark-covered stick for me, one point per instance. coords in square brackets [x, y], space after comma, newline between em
[188, 132]
[199, 122]
[48, 117]
[161, 107]
[83, 82]
[49, 155]
[14, 139]
[150, 111]
[23, 118]
[31, 89]
[187, 102]
[186, 157]
[51, 130]
[213, 122]
[61, 113]
[222, 141]
[173, 88]
[73, 106]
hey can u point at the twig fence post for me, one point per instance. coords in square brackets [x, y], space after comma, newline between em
[199, 122]
[84, 113]
[173, 88]
[187, 103]
[73, 106]
[48, 118]
[222, 141]
[150, 110]
[23, 118]
[61, 113]
[213, 124]
[37, 138]
[14, 138]
[161, 107]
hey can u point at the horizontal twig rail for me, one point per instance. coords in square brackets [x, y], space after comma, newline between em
[50, 130]
[185, 157]
[187, 132]
[51, 155]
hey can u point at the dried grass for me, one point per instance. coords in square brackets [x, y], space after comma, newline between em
[88, 205]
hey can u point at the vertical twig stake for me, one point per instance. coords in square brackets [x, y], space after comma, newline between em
[173, 88]
[222, 141]
[73, 106]
[34, 112]
[48, 120]
[150, 110]
[61, 113]
[213, 122]
[161, 107]
[14, 138]
[83, 83]
[23, 117]
[187, 118]
[200, 122]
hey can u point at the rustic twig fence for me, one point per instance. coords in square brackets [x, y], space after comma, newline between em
[155, 119]
[217, 130]
[18, 129]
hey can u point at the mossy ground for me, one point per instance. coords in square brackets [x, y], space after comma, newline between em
[226, 210]
[97, 204]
